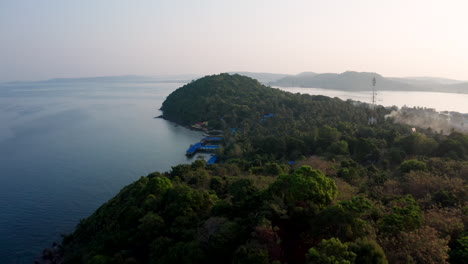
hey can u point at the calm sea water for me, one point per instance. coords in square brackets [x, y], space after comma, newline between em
[439, 101]
[67, 148]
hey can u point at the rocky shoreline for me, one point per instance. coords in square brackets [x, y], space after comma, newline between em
[52, 255]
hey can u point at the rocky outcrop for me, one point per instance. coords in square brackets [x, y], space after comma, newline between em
[52, 255]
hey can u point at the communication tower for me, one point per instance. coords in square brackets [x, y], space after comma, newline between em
[373, 116]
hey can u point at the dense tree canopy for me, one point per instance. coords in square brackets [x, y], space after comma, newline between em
[301, 179]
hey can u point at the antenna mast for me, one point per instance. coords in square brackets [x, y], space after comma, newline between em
[373, 93]
[373, 117]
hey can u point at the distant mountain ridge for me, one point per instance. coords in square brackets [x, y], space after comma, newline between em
[119, 78]
[427, 80]
[346, 81]
[362, 81]
[130, 78]
[262, 77]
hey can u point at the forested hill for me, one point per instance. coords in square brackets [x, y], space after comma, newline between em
[268, 121]
[301, 179]
[232, 100]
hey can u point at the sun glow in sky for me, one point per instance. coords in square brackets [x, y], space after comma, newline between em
[64, 38]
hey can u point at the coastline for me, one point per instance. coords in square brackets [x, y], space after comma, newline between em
[52, 255]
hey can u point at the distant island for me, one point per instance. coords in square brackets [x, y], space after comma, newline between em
[176, 78]
[359, 81]
[300, 179]
[346, 81]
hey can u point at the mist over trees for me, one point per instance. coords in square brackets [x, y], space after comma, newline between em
[443, 122]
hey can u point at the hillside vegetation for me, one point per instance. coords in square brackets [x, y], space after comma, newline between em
[301, 179]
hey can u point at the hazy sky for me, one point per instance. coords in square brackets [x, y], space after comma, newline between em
[42, 39]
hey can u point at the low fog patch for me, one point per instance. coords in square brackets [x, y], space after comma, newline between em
[443, 122]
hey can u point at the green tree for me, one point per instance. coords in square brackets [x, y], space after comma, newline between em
[159, 185]
[151, 224]
[406, 215]
[368, 252]
[331, 251]
[273, 169]
[306, 188]
[242, 190]
[339, 148]
[345, 220]
[412, 165]
[251, 254]
[459, 253]
[351, 175]
[100, 259]
[327, 135]
[418, 144]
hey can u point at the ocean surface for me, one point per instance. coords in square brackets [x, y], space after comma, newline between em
[66, 148]
[439, 101]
